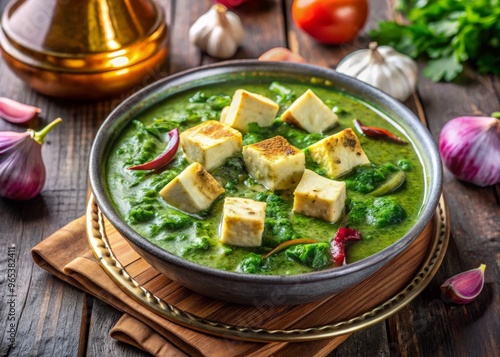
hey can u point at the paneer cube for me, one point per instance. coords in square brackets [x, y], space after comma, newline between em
[310, 113]
[275, 163]
[210, 143]
[242, 222]
[339, 153]
[193, 190]
[317, 196]
[247, 107]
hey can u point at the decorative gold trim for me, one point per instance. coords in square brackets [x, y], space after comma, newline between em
[102, 250]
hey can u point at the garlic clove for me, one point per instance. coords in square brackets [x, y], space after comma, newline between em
[355, 67]
[200, 31]
[237, 31]
[384, 68]
[218, 32]
[219, 47]
[464, 287]
[16, 112]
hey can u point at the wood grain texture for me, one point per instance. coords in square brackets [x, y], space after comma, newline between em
[49, 313]
[104, 317]
[264, 25]
[51, 316]
[356, 345]
[53, 319]
[475, 218]
[475, 239]
[183, 54]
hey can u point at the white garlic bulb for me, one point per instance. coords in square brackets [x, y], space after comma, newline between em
[218, 32]
[382, 67]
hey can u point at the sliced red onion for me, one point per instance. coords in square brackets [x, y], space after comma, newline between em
[464, 287]
[165, 157]
[470, 149]
[16, 112]
[22, 171]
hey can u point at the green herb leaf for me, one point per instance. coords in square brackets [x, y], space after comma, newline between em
[449, 33]
[444, 28]
[446, 68]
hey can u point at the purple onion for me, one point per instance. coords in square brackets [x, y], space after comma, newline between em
[22, 171]
[470, 149]
[464, 287]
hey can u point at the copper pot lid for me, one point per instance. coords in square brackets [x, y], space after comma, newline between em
[82, 36]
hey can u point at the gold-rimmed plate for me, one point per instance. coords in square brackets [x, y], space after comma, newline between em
[139, 280]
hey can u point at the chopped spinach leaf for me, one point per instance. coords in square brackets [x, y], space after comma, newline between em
[316, 255]
[379, 212]
[250, 264]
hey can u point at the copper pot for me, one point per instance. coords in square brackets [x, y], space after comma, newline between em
[83, 49]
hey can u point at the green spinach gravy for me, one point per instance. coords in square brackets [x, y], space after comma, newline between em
[380, 220]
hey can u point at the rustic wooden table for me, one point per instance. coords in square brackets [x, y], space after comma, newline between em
[53, 318]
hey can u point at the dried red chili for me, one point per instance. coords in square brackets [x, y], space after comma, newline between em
[338, 243]
[375, 132]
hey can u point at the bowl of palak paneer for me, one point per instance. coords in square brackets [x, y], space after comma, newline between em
[265, 183]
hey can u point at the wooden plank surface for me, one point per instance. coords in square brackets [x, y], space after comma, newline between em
[104, 317]
[53, 318]
[475, 239]
[50, 316]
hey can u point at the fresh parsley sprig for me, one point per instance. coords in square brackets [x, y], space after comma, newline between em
[449, 33]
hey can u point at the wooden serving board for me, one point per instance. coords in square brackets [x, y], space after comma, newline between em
[354, 302]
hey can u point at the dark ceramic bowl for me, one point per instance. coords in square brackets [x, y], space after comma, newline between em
[249, 288]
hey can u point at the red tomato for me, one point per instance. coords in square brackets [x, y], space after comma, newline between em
[330, 21]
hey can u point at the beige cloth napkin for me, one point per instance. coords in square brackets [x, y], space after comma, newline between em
[67, 255]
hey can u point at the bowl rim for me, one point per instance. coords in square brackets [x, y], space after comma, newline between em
[434, 177]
